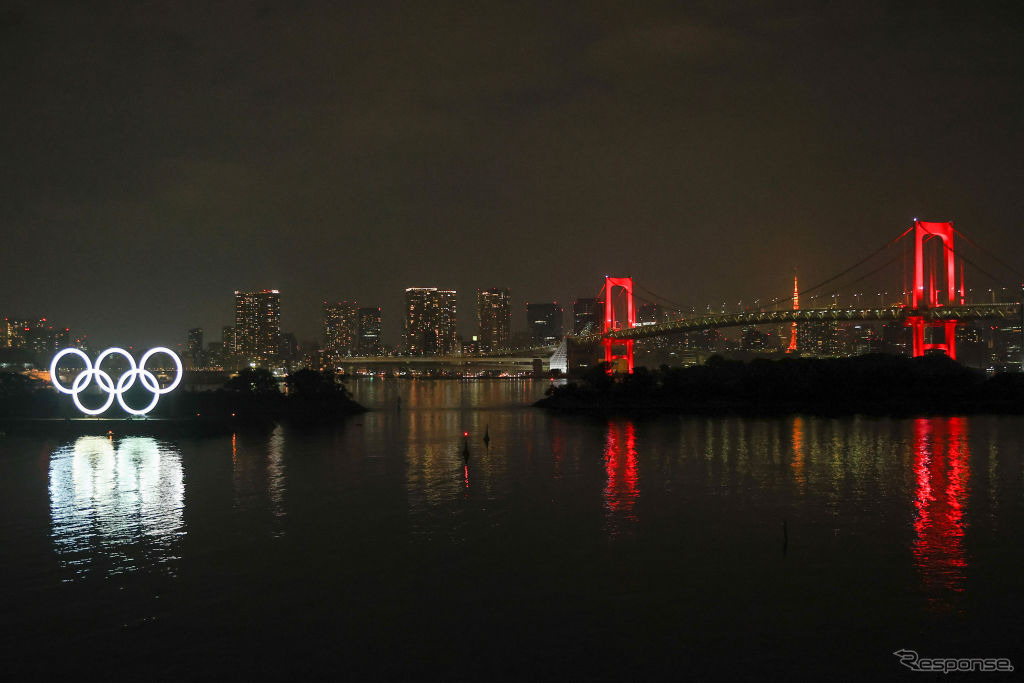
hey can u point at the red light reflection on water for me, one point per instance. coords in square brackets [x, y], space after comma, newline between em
[557, 449]
[941, 474]
[798, 452]
[620, 493]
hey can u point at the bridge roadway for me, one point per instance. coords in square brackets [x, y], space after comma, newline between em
[515, 359]
[807, 315]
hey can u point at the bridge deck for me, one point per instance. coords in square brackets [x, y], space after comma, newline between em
[938, 314]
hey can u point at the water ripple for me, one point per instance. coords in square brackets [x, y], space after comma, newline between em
[116, 506]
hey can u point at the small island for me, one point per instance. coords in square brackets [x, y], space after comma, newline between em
[877, 384]
[252, 399]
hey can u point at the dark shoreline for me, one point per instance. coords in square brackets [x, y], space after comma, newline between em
[876, 385]
[248, 402]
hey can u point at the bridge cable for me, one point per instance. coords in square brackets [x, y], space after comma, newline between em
[872, 272]
[974, 265]
[995, 258]
[658, 296]
[772, 302]
[947, 247]
[857, 264]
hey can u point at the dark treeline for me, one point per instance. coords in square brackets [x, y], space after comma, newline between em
[251, 396]
[875, 383]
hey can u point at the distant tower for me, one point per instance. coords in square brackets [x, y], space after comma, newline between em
[796, 307]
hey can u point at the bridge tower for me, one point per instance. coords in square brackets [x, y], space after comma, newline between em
[926, 295]
[616, 360]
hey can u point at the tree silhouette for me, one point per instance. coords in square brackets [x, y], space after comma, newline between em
[253, 382]
[310, 384]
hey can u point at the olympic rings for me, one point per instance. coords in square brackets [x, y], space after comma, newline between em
[106, 383]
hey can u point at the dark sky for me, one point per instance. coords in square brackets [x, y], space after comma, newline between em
[159, 155]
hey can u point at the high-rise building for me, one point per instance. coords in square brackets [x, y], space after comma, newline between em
[1004, 346]
[341, 328]
[43, 338]
[430, 321]
[417, 319]
[229, 342]
[289, 351]
[215, 355]
[444, 322]
[194, 348]
[819, 338]
[369, 343]
[34, 334]
[545, 323]
[63, 339]
[258, 325]
[648, 314]
[494, 316]
[586, 312]
[753, 339]
[17, 333]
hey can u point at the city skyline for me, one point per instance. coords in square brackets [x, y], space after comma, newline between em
[161, 157]
[430, 320]
[468, 340]
[573, 319]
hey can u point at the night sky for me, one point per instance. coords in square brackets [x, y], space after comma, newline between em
[159, 155]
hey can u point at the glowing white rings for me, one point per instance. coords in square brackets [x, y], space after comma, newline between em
[107, 384]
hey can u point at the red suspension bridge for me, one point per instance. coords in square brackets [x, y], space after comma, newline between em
[931, 305]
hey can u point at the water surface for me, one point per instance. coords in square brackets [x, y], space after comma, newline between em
[681, 546]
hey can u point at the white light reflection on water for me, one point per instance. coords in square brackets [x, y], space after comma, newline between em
[116, 507]
[276, 481]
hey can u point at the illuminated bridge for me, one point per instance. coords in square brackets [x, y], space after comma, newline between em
[933, 302]
[1010, 311]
